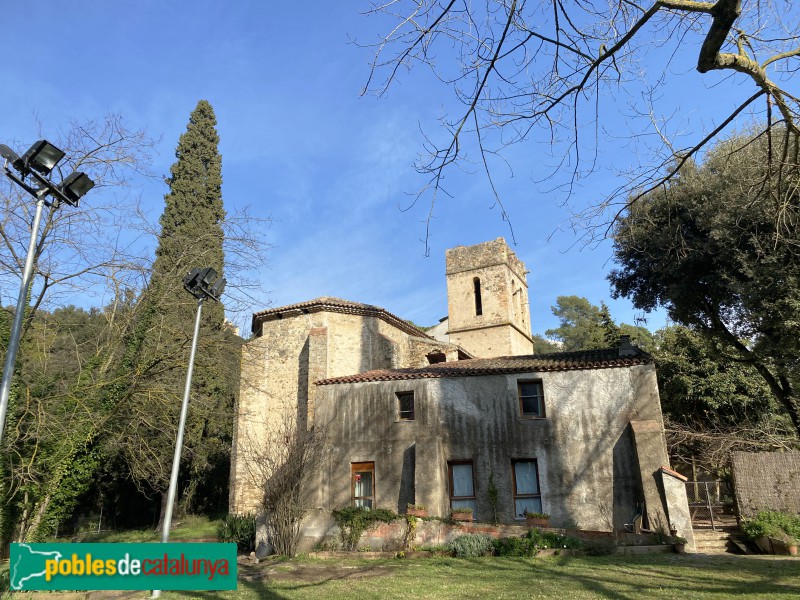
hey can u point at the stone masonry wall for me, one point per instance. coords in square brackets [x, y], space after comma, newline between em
[278, 372]
[503, 328]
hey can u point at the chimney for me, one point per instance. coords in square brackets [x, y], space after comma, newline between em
[625, 346]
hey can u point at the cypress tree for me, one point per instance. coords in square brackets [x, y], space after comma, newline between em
[191, 225]
[191, 236]
[140, 395]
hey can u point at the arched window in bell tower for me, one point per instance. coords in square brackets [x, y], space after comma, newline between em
[478, 303]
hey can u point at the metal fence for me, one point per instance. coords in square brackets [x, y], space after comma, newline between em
[710, 503]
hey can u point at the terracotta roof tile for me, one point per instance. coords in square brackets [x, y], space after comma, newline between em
[674, 473]
[330, 304]
[558, 361]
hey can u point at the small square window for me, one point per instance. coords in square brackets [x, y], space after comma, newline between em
[405, 403]
[531, 399]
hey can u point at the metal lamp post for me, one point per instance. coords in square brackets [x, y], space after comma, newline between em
[34, 166]
[202, 284]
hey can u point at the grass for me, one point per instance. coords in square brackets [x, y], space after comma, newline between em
[662, 576]
[191, 527]
[654, 576]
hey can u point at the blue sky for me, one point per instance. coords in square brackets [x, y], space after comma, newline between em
[301, 146]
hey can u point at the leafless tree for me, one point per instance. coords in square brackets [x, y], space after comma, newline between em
[103, 249]
[710, 449]
[281, 455]
[91, 246]
[527, 69]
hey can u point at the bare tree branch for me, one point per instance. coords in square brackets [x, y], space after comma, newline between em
[521, 68]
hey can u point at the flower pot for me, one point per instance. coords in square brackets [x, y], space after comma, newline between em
[792, 549]
[417, 512]
[537, 521]
[680, 548]
[462, 516]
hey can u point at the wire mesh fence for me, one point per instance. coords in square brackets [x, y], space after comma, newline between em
[710, 503]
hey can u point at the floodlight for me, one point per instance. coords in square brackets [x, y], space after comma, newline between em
[191, 284]
[189, 280]
[42, 157]
[74, 187]
[207, 276]
[204, 283]
[11, 156]
[37, 162]
[216, 289]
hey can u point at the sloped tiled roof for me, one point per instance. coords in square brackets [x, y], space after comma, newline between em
[330, 304]
[558, 361]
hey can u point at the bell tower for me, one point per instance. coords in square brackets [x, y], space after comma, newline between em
[487, 300]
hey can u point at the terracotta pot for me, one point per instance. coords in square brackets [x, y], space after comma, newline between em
[537, 521]
[792, 549]
[680, 548]
[462, 516]
[417, 512]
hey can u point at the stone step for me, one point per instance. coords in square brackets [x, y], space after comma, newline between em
[709, 541]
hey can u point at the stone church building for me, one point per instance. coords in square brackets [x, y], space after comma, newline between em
[442, 417]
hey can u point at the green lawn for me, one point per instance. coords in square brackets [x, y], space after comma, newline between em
[192, 527]
[660, 576]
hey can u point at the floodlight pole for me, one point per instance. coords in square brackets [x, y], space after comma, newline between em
[42, 157]
[176, 459]
[19, 314]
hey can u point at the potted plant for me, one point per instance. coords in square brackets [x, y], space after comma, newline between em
[417, 510]
[790, 542]
[536, 519]
[679, 543]
[461, 514]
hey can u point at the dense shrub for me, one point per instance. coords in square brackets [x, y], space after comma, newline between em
[471, 545]
[355, 520]
[550, 539]
[775, 524]
[238, 529]
[515, 546]
[533, 541]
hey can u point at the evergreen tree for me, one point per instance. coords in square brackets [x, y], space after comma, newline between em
[157, 353]
[718, 249]
[580, 324]
[584, 326]
[611, 330]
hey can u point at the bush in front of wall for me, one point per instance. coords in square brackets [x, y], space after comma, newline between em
[240, 530]
[529, 544]
[518, 546]
[471, 545]
[551, 539]
[775, 524]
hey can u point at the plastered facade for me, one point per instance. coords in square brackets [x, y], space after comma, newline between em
[590, 476]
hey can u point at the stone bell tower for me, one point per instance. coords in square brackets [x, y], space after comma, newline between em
[487, 300]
